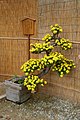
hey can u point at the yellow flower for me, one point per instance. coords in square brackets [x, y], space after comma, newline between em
[68, 68]
[21, 67]
[51, 26]
[54, 31]
[25, 83]
[64, 69]
[67, 71]
[58, 43]
[24, 69]
[43, 39]
[41, 80]
[32, 89]
[60, 30]
[42, 85]
[26, 73]
[50, 61]
[28, 70]
[55, 58]
[29, 76]
[56, 40]
[61, 75]
[45, 82]
[29, 88]
[56, 25]
[32, 70]
[29, 80]
[53, 69]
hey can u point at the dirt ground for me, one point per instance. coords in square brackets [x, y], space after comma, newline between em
[39, 107]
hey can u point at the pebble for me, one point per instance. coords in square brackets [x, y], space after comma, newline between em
[40, 107]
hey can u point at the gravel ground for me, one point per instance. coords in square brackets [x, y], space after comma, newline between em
[39, 107]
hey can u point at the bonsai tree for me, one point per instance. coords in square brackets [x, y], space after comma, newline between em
[54, 61]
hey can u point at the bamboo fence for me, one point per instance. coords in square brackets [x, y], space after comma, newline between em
[14, 52]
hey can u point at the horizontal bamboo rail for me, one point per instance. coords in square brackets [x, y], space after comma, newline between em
[26, 38]
[7, 75]
[19, 38]
[64, 87]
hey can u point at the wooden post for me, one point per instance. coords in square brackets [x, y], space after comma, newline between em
[28, 25]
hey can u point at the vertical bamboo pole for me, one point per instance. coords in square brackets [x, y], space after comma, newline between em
[28, 46]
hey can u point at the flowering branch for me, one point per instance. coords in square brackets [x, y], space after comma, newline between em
[51, 60]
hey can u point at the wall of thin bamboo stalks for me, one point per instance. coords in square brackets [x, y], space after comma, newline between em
[67, 87]
[12, 12]
[66, 14]
[13, 53]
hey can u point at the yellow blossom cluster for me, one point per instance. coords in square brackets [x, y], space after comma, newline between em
[49, 60]
[56, 29]
[47, 38]
[58, 63]
[38, 64]
[63, 66]
[55, 60]
[30, 66]
[64, 43]
[31, 82]
[41, 47]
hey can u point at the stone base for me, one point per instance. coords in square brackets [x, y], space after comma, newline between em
[16, 92]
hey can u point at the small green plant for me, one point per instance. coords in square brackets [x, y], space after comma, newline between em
[17, 79]
[51, 61]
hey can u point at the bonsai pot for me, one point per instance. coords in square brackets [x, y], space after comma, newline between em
[16, 92]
